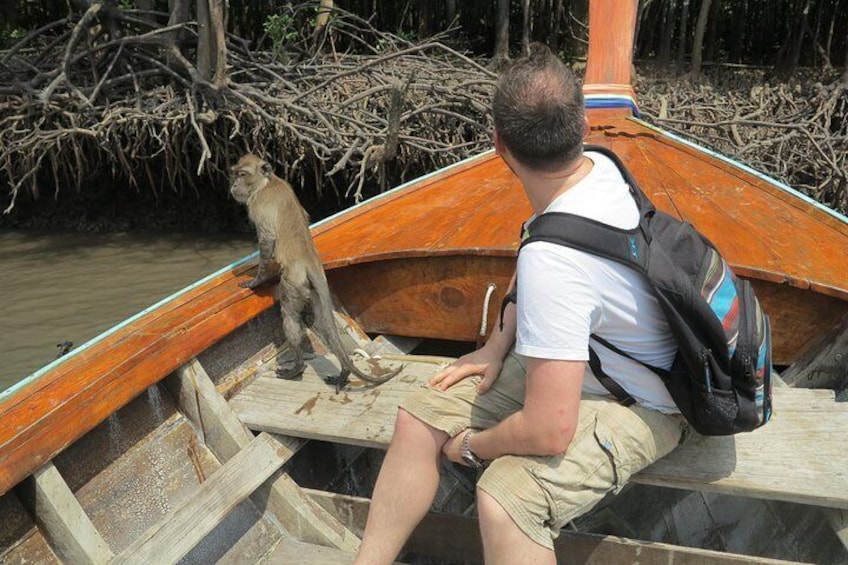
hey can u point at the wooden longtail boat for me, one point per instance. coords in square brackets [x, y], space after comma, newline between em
[168, 438]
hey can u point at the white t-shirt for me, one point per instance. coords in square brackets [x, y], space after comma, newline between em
[564, 295]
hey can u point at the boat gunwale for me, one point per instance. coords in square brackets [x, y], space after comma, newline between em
[793, 194]
[38, 403]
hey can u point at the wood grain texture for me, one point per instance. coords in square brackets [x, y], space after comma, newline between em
[64, 522]
[435, 297]
[799, 440]
[311, 409]
[612, 24]
[45, 416]
[184, 527]
[226, 436]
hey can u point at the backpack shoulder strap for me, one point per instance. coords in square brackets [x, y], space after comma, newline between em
[629, 247]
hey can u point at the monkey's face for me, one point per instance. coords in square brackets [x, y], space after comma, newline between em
[248, 176]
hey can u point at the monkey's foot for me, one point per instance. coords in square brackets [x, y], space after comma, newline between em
[257, 281]
[339, 381]
[252, 283]
[291, 371]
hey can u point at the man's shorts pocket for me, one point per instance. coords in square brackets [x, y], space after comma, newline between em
[609, 440]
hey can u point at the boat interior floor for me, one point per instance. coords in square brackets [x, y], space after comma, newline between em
[223, 462]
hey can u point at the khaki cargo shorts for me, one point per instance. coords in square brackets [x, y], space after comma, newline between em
[542, 494]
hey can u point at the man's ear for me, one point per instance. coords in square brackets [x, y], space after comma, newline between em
[585, 127]
[499, 146]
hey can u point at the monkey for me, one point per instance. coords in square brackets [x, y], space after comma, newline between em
[286, 248]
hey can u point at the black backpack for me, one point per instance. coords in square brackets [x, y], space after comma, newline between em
[721, 376]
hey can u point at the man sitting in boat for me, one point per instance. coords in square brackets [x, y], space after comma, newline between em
[550, 440]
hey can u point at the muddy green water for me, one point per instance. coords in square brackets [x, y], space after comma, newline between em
[71, 287]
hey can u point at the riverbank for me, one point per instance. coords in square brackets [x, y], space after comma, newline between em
[794, 130]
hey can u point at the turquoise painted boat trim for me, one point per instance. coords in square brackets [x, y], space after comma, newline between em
[40, 372]
[119, 325]
[747, 169]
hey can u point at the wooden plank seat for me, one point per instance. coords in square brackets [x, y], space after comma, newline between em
[226, 436]
[797, 457]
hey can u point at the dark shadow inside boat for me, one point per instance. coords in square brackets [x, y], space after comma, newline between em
[16, 521]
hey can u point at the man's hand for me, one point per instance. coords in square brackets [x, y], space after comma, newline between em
[480, 362]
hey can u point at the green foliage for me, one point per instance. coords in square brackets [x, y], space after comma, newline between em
[409, 36]
[282, 32]
[10, 35]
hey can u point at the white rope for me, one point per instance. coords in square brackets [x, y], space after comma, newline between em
[484, 323]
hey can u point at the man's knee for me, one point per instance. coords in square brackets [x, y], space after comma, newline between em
[409, 430]
[490, 512]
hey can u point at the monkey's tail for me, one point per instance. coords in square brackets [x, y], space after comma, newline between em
[324, 309]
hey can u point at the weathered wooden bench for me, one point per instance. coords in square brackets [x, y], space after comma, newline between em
[797, 457]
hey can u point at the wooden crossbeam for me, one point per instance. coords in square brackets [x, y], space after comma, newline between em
[60, 516]
[799, 440]
[392, 344]
[184, 527]
[292, 552]
[226, 435]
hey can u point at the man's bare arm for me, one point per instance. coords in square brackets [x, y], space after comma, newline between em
[547, 422]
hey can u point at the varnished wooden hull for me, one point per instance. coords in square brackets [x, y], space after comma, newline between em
[393, 274]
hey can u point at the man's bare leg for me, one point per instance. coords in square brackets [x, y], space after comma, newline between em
[405, 489]
[503, 541]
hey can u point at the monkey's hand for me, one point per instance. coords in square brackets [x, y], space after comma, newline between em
[258, 280]
[252, 283]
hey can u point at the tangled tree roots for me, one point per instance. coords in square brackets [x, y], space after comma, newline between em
[795, 132]
[356, 112]
[128, 101]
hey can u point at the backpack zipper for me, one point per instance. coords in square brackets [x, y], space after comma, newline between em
[744, 346]
[707, 373]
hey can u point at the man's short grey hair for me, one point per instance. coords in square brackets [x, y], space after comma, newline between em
[538, 111]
